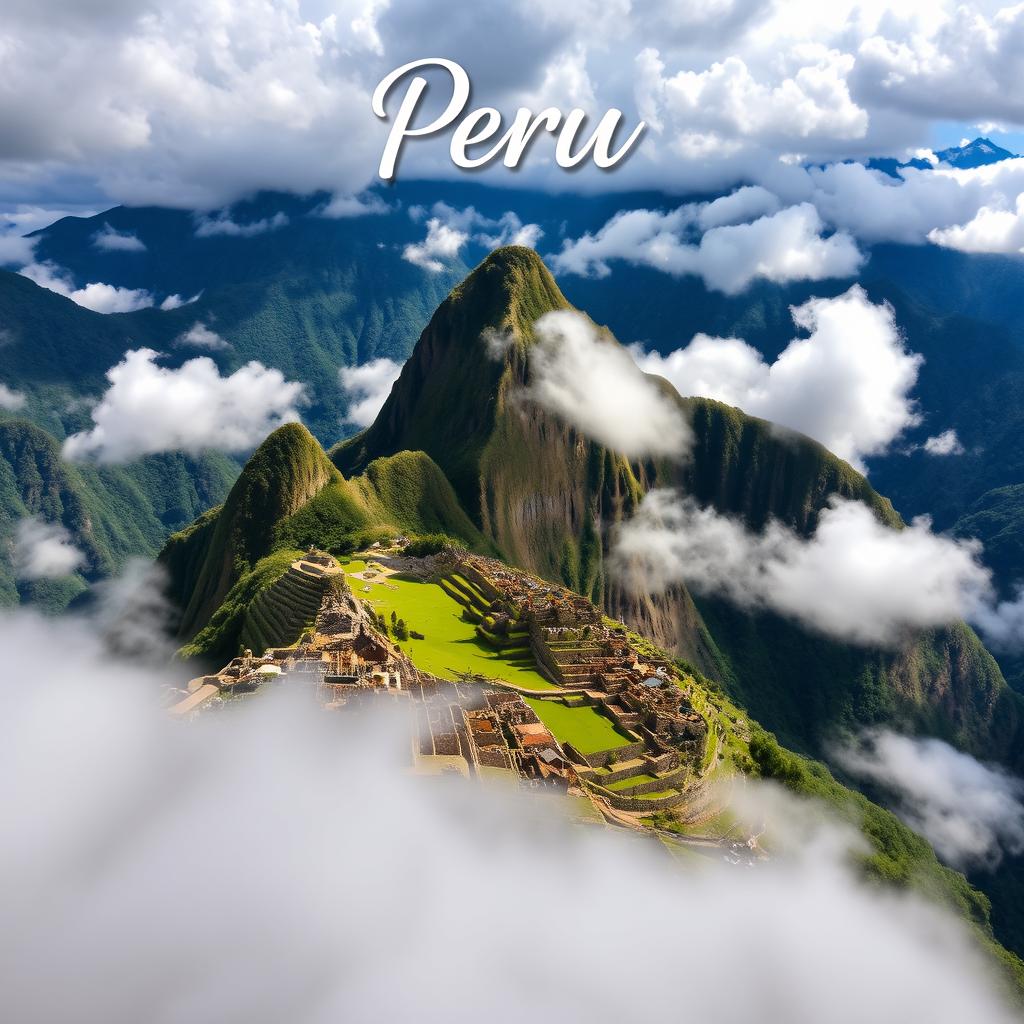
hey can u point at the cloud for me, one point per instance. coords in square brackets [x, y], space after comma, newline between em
[367, 388]
[989, 230]
[44, 550]
[226, 100]
[781, 247]
[726, 103]
[847, 384]
[200, 336]
[344, 206]
[853, 578]
[149, 408]
[965, 68]
[15, 250]
[813, 226]
[99, 297]
[594, 385]
[1002, 622]
[176, 301]
[120, 895]
[946, 443]
[221, 101]
[222, 224]
[449, 229]
[133, 615]
[10, 399]
[976, 210]
[109, 239]
[108, 298]
[970, 812]
[21, 219]
[442, 243]
[497, 343]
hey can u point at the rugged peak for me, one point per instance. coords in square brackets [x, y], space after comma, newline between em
[447, 396]
[978, 153]
[510, 289]
[284, 473]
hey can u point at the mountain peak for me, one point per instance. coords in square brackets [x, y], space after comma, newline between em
[978, 153]
[510, 289]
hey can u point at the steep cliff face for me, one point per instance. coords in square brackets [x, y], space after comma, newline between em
[548, 497]
[550, 500]
[206, 560]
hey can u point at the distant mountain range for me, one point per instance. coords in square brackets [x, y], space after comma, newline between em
[307, 294]
[971, 154]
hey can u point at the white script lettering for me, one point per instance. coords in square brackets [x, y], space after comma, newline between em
[482, 125]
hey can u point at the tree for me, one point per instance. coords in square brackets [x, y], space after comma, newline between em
[401, 630]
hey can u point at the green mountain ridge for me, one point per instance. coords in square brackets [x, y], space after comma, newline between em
[290, 497]
[529, 487]
[549, 499]
[112, 513]
[455, 451]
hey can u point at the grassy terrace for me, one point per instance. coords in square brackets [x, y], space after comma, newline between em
[637, 780]
[451, 645]
[586, 729]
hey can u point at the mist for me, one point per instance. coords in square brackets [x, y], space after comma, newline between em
[271, 862]
[972, 813]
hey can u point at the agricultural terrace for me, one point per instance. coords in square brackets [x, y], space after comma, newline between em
[586, 729]
[451, 644]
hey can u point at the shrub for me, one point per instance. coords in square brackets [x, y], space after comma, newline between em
[432, 544]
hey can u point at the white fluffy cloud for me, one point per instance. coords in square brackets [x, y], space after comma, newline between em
[226, 99]
[189, 103]
[727, 105]
[991, 229]
[200, 336]
[99, 297]
[975, 210]
[813, 226]
[854, 578]
[946, 443]
[594, 384]
[449, 229]
[150, 408]
[44, 550]
[971, 813]
[109, 239]
[367, 388]
[443, 242]
[314, 918]
[785, 246]
[966, 68]
[847, 384]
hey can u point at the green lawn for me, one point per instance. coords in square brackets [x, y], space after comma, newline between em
[586, 729]
[627, 783]
[451, 644]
